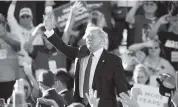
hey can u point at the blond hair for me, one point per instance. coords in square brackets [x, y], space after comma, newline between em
[140, 68]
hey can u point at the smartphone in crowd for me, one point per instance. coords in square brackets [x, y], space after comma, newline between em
[172, 18]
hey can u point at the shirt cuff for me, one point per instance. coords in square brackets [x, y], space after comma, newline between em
[49, 33]
[48, 9]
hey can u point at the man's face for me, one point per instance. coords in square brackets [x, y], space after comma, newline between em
[93, 40]
[42, 87]
[25, 20]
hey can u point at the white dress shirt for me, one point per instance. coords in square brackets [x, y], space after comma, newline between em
[83, 65]
[49, 33]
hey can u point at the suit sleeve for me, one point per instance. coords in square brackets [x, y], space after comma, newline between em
[69, 51]
[119, 78]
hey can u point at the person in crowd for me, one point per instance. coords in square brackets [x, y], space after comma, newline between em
[28, 95]
[42, 55]
[22, 29]
[46, 81]
[119, 13]
[155, 63]
[137, 22]
[167, 83]
[9, 46]
[30, 78]
[141, 75]
[64, 85]
[168, 39]
[109, 64]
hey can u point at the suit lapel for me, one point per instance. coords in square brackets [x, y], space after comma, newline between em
[99, 66]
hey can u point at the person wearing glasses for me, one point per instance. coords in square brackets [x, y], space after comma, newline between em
[23, 29]
[149, 54]
[169, 39]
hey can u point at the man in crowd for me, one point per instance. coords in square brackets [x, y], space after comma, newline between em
[46, 81]
[95, 67]
[9, 46]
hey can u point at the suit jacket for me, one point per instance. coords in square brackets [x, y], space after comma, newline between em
[109, 77]
[52, 94]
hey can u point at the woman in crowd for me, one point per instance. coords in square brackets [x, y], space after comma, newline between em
[169, 39]
[152, 60]
[141, 75]
[137, 22]
[166, 88]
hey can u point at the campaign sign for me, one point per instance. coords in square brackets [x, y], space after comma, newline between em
[150, 96]
[62, 14]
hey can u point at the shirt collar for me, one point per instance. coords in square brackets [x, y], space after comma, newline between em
[98, 53]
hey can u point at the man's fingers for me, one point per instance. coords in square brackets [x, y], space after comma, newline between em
[91, 92]
[121, 100]
[88, 97]
[124, 96]
[98, 100]
[95, 94]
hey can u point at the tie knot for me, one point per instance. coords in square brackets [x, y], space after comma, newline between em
[91, 54]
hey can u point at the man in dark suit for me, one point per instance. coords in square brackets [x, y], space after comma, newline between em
[95, 68]
[46, 81]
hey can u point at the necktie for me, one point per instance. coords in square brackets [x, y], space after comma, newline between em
[87, 77]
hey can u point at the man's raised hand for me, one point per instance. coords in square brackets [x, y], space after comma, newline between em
[49, 21]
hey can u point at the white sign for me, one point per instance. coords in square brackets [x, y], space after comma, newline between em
[150, 96]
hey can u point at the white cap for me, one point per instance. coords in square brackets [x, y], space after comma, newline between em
[25, 11]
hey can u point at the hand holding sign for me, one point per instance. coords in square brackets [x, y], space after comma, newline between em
[125, 99]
